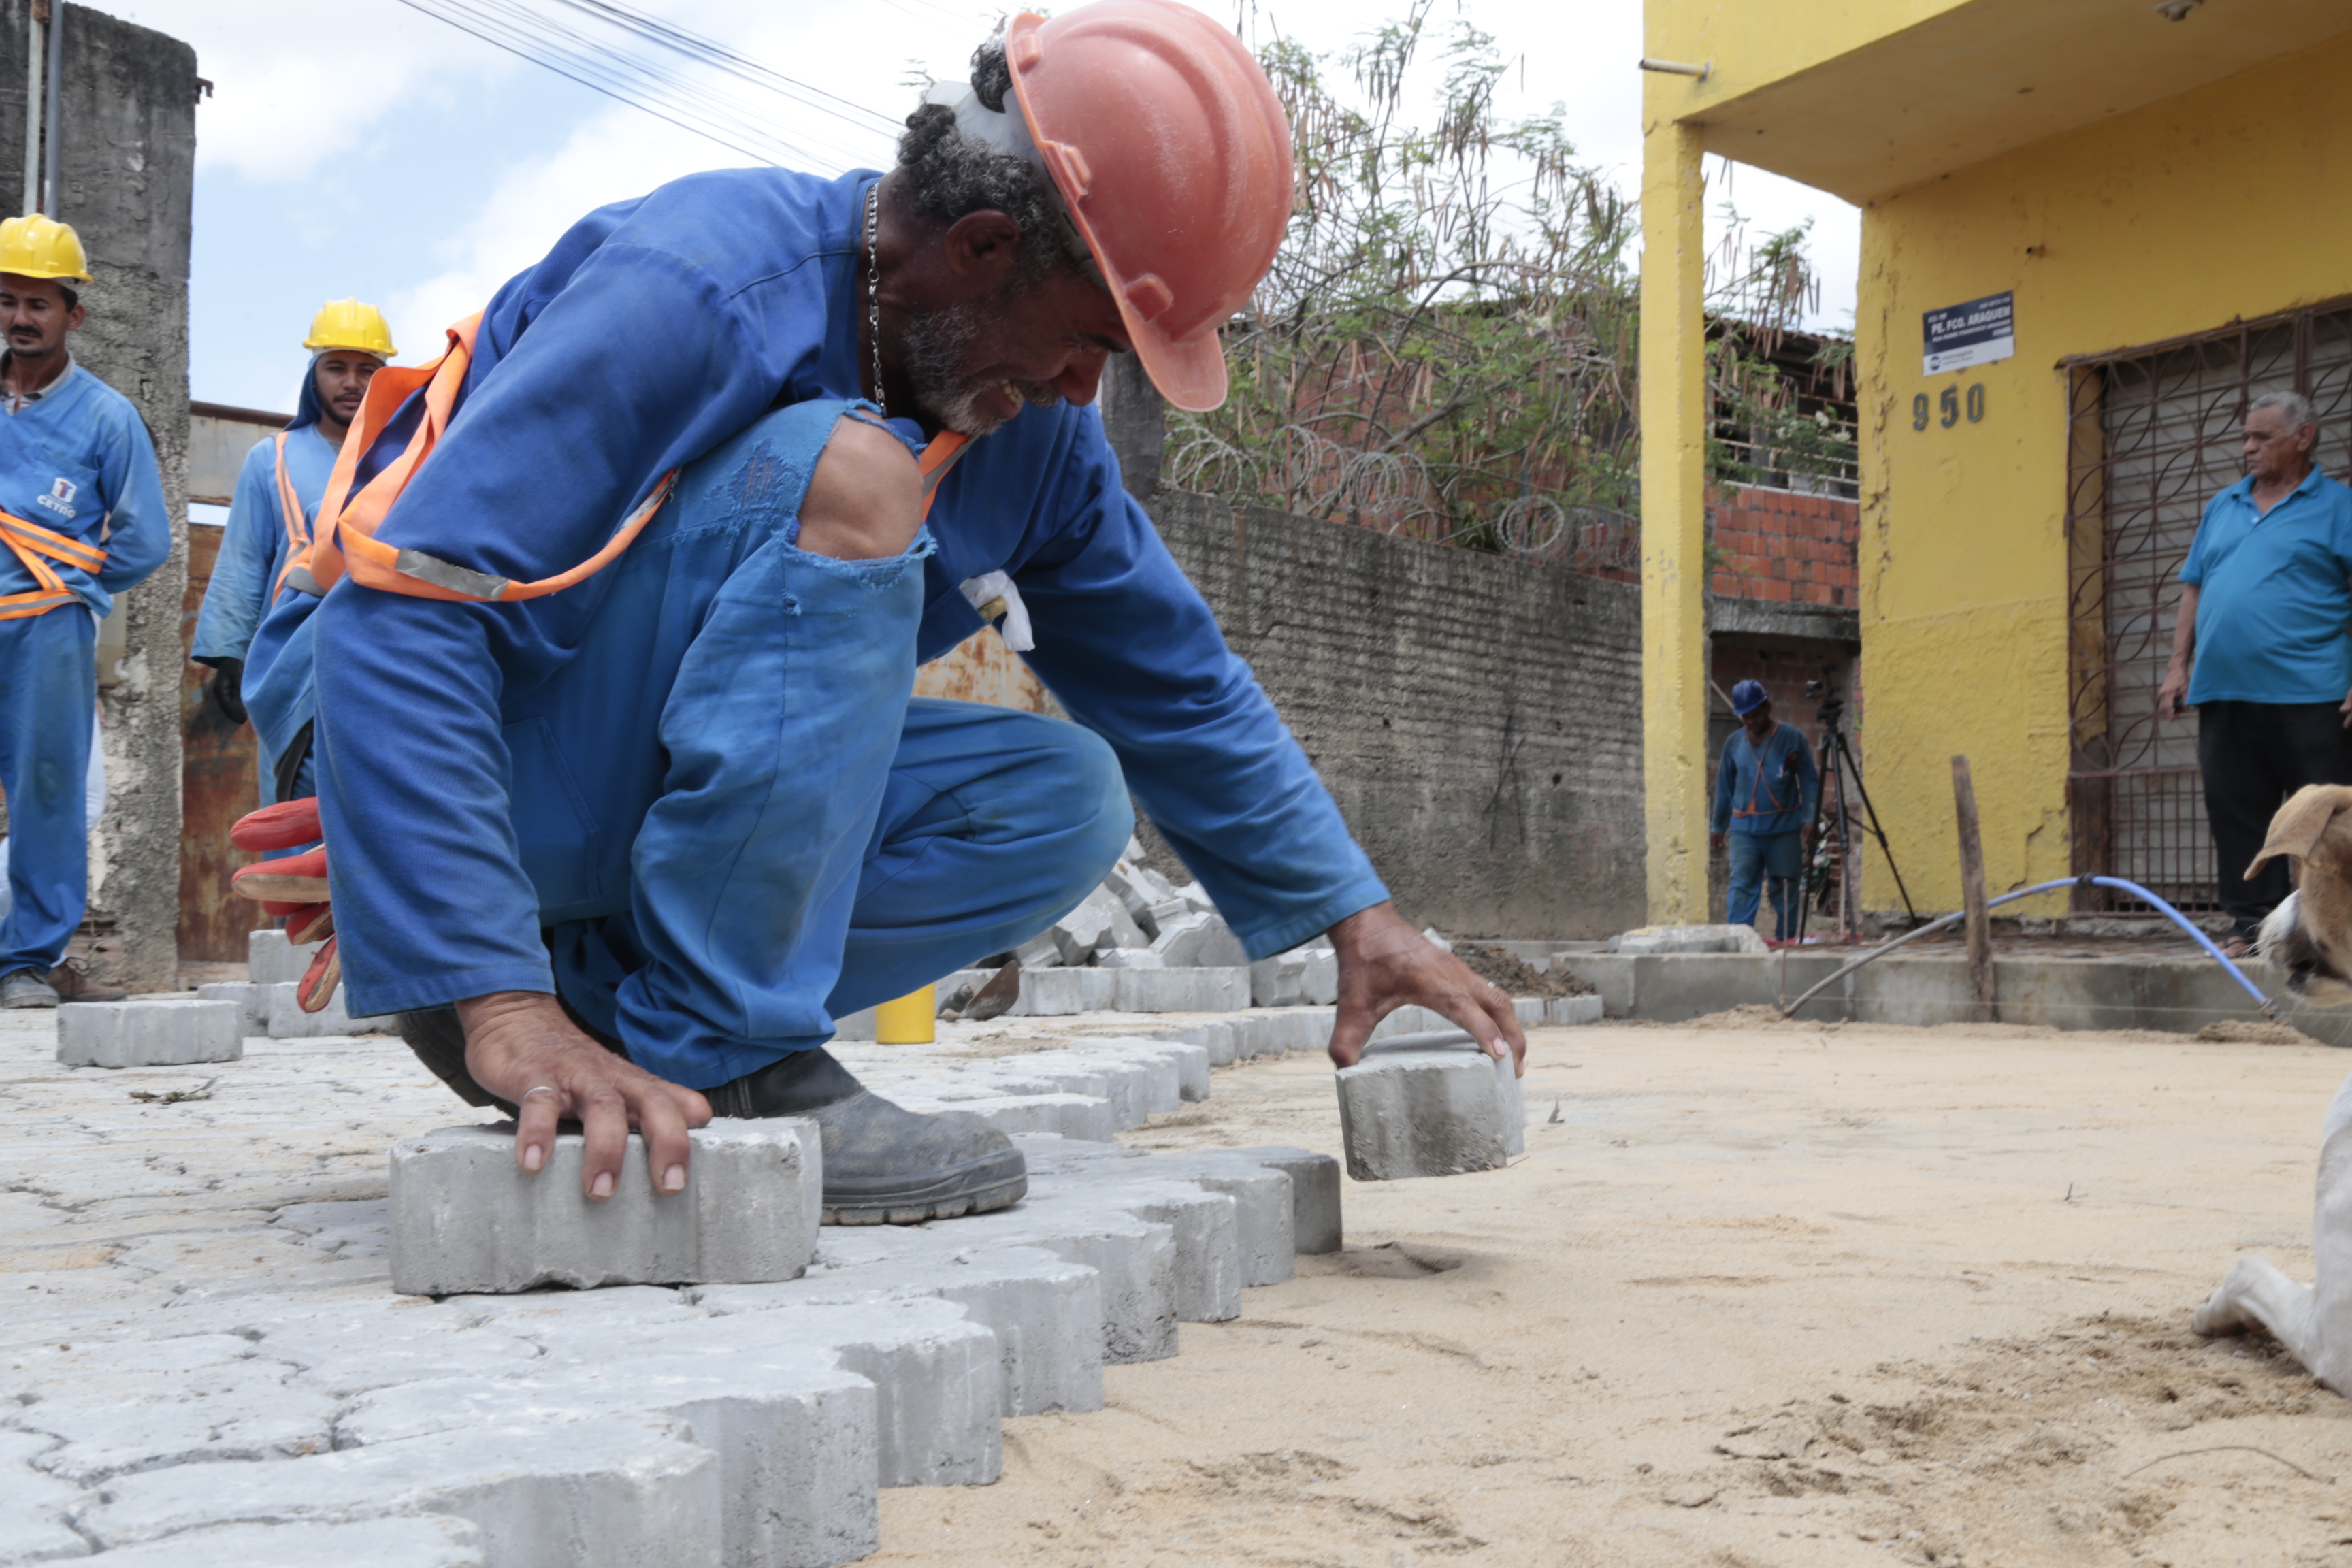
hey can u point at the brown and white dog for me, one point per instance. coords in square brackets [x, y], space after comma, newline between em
[2309, 939]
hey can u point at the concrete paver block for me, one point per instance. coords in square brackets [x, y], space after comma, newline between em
[149, 1034]
[793, 1431]
[1264, 1224]
[1197, 940]
[1314, 1226]
[247, 1407]
[1218, 990]
[624, 1493]
[1058, 992]
[464, 1218]
[1689, 939]
[1045, 1310]
[252, 1002]
[287, 1021]
[35, 1506]
[1428, 1105]
[271, 960]
[1065, 1115]
[1572, 1009]
[431, 1540]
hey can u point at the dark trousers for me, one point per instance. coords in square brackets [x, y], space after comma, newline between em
[2253, 756]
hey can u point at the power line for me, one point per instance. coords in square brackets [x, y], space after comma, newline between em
[669, 73]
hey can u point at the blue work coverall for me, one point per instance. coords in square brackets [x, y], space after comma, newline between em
[77, 461]
[253, 550]
[1764, 798]
[693, 790]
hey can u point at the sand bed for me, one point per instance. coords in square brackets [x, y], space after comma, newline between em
[1759, 1295]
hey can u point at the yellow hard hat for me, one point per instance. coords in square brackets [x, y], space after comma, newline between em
[38, 246]
[348, 324]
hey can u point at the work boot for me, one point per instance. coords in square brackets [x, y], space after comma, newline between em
[882, 1165]
[71, 981]
[25, 988]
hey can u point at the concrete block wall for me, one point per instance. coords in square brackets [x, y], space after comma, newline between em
[128, 166]
[1477, 718]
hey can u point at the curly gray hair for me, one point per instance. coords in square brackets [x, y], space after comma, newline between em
[952, 175]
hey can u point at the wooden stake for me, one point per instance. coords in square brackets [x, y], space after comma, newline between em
[1984, 1000]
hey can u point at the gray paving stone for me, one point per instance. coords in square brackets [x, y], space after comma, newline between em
[1263, 1225]
[149, 1034]
[249, 1407]
[252, 1002]
[1428, 1105]
[1572, 1009]
[427, 1541]
[35, 1506]
[1221, 990]
[287, 1021]
[348, 1346]
[793, 1431]
[622, 1493]
[1045, 1312]
[1058, 992]
[935, 1373]
[1315, 1223]
[271, 960]
[464, 1218]
[1183, 1080]
[1066, 1115]
[1204, 1225]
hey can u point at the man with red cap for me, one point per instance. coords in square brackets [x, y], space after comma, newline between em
[623, 794]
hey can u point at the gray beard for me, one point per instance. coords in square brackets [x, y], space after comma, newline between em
[938, 345]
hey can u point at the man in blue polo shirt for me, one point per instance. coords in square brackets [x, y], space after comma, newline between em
[1765, 791]
[2264, 611]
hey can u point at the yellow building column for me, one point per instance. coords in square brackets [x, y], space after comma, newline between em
[1674, 520]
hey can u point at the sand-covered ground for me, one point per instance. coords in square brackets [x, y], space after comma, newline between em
[1757, 1295]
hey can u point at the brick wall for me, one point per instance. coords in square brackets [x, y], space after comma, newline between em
[1478, 720]
[1786, 548]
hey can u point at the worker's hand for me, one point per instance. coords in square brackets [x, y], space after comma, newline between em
[1385, 964]
[226, 689]
[519, 1041]
[1805, 838]
[2173, 695]
[1716, 844]
[2345, 708]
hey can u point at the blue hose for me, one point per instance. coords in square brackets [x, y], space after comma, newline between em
[2269, 1009]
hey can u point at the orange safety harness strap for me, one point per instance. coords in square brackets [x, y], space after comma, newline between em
[298, 527]
[344, 539]
[1759, 793]
[37, 546]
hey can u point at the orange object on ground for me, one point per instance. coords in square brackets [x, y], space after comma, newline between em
[1174, 155]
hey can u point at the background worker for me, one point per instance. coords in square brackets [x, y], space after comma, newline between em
[82, 519]
[2260, 647]
[1766, 788]
[691, 797]
[271, 517]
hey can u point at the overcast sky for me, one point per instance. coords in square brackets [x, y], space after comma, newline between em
[360, 147]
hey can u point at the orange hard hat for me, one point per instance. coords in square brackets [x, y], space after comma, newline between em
[1172, 155]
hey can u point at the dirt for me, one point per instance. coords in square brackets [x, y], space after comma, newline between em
[1758, 1294]
[1514, 974]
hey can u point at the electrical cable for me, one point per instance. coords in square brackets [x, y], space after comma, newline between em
[2269, 1009]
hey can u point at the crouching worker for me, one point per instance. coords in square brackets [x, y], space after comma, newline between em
[623, 794]
[1766, 789]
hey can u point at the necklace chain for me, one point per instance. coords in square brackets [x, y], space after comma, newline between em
[874, 289]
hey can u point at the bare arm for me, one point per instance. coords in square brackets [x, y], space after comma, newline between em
[2173, 695]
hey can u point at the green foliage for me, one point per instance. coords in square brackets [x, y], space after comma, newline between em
[1446, 345]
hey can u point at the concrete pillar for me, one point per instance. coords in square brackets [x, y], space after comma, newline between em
[1674, 520]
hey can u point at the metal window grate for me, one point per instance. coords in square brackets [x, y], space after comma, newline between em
[2153, 433]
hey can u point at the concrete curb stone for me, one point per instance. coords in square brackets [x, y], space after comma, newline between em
[149, 1034]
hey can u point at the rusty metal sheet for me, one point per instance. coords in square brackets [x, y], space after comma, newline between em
[219, 782]
[218, 438]
[980, 669]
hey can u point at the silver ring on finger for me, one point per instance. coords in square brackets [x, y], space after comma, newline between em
[541, 1089]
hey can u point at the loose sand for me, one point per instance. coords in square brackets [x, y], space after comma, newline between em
[1761, 1294]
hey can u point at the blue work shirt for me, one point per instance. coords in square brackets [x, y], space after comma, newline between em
[255, 540]
[1766, 789]
[655, 329]
[77, 460]
[2274, 605]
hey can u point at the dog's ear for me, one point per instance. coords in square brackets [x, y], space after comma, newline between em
[2295, 831]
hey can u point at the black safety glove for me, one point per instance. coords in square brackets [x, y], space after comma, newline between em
[226, 689]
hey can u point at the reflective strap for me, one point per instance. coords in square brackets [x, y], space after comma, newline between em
[37, 546]
[289, 508]
[947, 448]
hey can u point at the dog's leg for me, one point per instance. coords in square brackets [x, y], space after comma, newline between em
[2256, 1292]
[2313, 1322]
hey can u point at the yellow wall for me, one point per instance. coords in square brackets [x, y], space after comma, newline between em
[2176, 219]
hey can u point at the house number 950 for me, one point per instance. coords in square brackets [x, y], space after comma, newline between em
[1947, 406]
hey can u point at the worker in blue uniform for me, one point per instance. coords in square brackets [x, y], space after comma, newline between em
[271, 517]
[621, 853]
[82, 519]
[1767, 788]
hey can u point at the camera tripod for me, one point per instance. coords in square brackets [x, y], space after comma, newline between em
[1837, 765]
